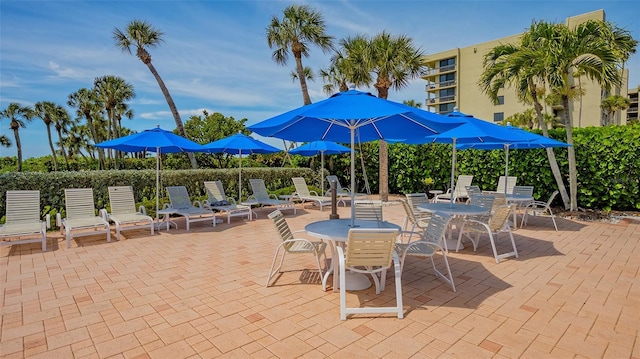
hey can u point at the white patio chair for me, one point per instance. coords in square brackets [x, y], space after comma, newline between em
[294, 245]
[81, 215]
[459, 192]
[370, 251]
[23, 221]
[218, 201]
[370, 210]
[181, 203]
[342, 193]
[509, 182]
[540, 209]
[411, 218]
[428, 245]
[304, 194]
[497, 223]
[123, 211]
[262, 197]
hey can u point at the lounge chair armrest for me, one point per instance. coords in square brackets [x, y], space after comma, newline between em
[314, 193]
[59, 220]
[142, 209]
[47, 220]
[166, 206]
[273, 196]
[103, 214]
[251, 197]
[206, 203]
[197, 203]
[232, 200]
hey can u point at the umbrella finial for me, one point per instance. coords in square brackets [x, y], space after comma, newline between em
[352, 86]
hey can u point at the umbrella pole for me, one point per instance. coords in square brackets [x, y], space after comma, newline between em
[453, 170]
[157, 184]
[322, 172]
[240, 179]
[506, 168]
[353, 178]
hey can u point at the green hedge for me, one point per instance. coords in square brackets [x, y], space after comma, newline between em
[52, 184]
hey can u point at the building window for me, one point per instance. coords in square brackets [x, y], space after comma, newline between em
[498, 117]
[445, 108]
[500, 100]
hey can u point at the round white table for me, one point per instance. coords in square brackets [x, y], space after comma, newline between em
[336, 231]
[453, 209]
[166, 218]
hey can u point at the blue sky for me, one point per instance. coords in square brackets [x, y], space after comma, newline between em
[215, 55]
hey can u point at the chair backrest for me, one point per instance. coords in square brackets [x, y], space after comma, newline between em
[339, 189]
[121, 200]
[23, 206]
[301, 186]
[368, 210]
[473, 191]
[215, 191]
[282, 227]
[437, 227]
[460, 189]
[509, 182]
[370, 247]
[482, 200]
[259, 189]
[179, 197]
[79, 203]
[408, 210]
[552, 197]
[500, 217]
[523, 190]
[415, 199]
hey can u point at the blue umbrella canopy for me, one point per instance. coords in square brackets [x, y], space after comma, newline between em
[239, 144]
[153, 140]
[322, 147]
[352, 114]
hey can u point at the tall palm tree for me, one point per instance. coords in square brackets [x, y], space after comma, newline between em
[394, 61]
[18, 115]
[300, 27]
[88, 106]
[141, 35]
[62, 121]
[46, 111]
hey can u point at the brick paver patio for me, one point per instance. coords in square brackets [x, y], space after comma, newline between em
[574, 293]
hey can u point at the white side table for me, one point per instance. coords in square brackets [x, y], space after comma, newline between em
[435, 192]
[166, 218]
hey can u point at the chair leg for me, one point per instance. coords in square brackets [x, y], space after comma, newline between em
[441, 275]
[398, 274]
[343, 285]
[273, 272]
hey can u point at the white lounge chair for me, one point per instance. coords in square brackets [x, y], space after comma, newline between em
[123, 211]
[509, 182]
[304, 194]
[262, 197]
[23, 221]
[81, 215]
[218, 201]
[459, 192]
[181, 203]
[342, 193]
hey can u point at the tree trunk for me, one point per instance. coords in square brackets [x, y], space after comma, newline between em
[94, 136]
[383, 168]
[16, 135]
[53, 150]
[174, 110]
[555, 169]
[303, 80]
[573, 172]
[64, 152]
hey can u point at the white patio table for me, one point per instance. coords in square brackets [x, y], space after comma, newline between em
[453, 209]
[336, 231]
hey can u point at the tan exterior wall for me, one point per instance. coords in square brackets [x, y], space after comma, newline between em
[471, 100]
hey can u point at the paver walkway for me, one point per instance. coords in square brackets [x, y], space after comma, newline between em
[201, 294]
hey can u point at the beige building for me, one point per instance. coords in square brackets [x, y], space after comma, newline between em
[453, 76]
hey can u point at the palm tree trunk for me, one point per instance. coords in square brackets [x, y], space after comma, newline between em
[174, 110]
[16, 135]
[53, 151]
[64, 152]
[573, 172]
[555, 169]
[303, 80]
[383, 168]
[94, 136]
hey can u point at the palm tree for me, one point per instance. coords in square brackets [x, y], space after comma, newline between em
[142, 35]
[88, 106]
[334, 78]
[612, 104]
[5, 141]
[62, 121]
[18, 115]
[45, 110]
[412, 103]
[300, 27]
[394, 61]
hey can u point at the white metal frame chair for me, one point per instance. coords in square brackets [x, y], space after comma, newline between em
[304, 194]
[459, 192]
[411, 218]
[509, 182]
[81, 215]
[497, 223]
[217, 200]
[294, 245]
[123, 211]
[23, 219]
[428, 245]
[342, 193]
[542, 209]
[262, 197]
[181, 203]
[369, 210]
[370, 251]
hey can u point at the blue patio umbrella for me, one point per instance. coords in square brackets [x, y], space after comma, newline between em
[352, 114]
[533, 141]
[239, 144]
[153, 140]
[322, 147]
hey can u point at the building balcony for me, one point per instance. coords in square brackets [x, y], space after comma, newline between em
[433, 86]
[440, 70]
[441, 99]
